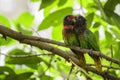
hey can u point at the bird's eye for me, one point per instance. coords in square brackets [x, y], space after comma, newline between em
[81, 18]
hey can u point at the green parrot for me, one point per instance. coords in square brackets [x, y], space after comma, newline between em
[70, 38]
[87, 39]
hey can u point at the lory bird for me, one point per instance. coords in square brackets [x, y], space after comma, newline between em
[87, 39]
[70, 38]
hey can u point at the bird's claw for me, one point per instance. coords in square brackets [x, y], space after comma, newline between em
[90, 51]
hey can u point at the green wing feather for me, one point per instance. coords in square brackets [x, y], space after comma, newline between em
[72, 39]
[91, 41]
[92, 44]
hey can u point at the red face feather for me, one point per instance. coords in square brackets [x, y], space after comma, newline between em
[68, 22]
[68, 27]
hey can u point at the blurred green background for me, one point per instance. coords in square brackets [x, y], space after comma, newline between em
[44, 18]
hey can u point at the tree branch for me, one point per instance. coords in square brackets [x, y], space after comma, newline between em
[43, 44]
[19, 36]
[23, 56]
[109, 67]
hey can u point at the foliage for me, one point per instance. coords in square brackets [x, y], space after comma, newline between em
[99, 15]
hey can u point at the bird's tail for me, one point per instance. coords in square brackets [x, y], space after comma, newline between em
[98, 63]
[82, 59]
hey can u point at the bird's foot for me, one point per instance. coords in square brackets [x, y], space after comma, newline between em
[90, 51]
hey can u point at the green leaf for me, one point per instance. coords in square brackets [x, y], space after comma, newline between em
[25, 76]
[45, 77]
[96, 25]
[35, 0]
[10, 77]
[57, 32]
[6, 69]
[32, 66]
[117, 50]
[46, 3]
[55, 18]
[41, 69]
[22, 60]
[108, 36]
[61, 2]
[2, 77]
[48, 9]
[116, 19]
[99, 19]
[4, 21]
[111, 4]
[96, 33]
[21, 29]
[116, 32]
[6, 41]
[89, 18]
[100, 7]
[8, 72]
[86, 4]
[26, 19]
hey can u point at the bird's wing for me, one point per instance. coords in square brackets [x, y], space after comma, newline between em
[91, 40]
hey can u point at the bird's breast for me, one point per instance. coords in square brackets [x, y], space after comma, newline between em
[69, 37]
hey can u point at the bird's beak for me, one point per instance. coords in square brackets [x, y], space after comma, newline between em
[74, 20]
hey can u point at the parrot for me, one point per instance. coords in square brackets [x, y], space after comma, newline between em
[70, 38]
[87, 39]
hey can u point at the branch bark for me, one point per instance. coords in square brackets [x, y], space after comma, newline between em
[19, 36]
[43, 44]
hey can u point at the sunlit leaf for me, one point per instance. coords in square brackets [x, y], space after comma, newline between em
[61, 2]
[45, 77]
[100, 20]
[108, 35]
[109, 40]
[35, 0]
[116, 32]
[55, 18]
[50, 8]
[21, 29]
[46, 3]
[117, 50]
[6, 41]
[40, 69]
[100, 7]
[4, 21]
[21, 60]
[89, 18]
[96, 25]
[57, 32]
[84, 3]
[26, 19]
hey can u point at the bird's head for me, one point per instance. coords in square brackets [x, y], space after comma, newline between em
[80, 21]
[69, 22]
